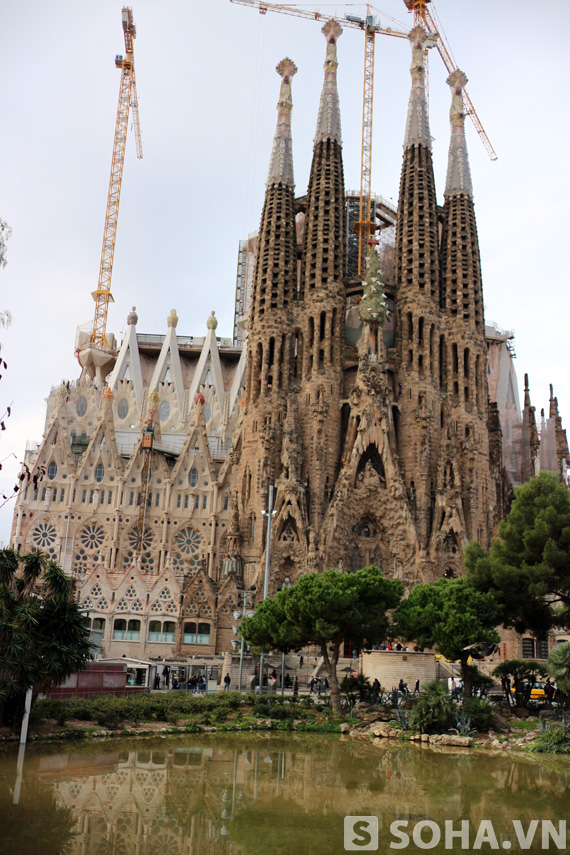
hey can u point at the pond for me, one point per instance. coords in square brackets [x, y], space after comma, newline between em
[254, 794]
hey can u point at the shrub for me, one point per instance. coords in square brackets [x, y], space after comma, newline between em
[433, 713]
[555, 740]
[480, 712]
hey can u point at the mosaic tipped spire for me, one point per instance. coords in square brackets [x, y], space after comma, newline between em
[281, 164]
[458, 172]
[328, 121]
[417, 123]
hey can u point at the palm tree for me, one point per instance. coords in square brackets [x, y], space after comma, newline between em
[43, 635]
[558, 666]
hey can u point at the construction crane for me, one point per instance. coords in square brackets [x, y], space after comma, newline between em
[127, 101]
[423, 17]
[370, 25]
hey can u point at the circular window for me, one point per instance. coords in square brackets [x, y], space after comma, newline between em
[52, 470]
[99, 472]
[193, 477]
[207, 413]
[164, 411]
[44, 535]
[123, 408]
[81, 407]
[92, 536]
[188, 541]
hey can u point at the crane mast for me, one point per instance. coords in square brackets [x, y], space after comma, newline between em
[127, 101]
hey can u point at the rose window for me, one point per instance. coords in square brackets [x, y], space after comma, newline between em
[90, 539]
[134, 547]
[44, 535]
[188, 548]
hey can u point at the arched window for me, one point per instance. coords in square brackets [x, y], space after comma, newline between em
[193, 477]
[189, 633]
[168, 629]
[134, 630]
[99, 472]
[203, 633]
[123, 408]
[154, 630]
[119, 630]
[81, 406]
[99, 624]
[52, 470]
[164, 411]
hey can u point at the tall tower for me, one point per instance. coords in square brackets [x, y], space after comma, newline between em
[466, 455]
[320, 308]
[419, 370]
[257, 451]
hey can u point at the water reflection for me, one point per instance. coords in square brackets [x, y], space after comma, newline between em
[253, 795]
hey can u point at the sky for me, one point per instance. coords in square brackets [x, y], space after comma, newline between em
[207, 92]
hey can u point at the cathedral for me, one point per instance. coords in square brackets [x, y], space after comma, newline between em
[384, 413]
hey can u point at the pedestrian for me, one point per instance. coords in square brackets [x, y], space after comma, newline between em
[376, 686]
[301, 661]
[453, 687]
[295, 686]
[417, 687]
[157, 680]
[175, 683]
[227, 681]
[165, 676]
[312, 685]
[402, 686]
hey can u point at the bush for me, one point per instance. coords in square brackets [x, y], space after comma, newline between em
[480, 712]
[555, 740]
[433, 713]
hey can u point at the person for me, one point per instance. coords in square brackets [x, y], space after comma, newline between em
[390, 645]
[274, 674]
[417, 687]
[301, 660]
[227, 681]
[398, 647]
[452, 687]
[402, 686]
[157, 680]
[265, 678]
[295, 686]
[312, 685]
[376, 687]
[287, 680]
[165, 676]
[175, 683]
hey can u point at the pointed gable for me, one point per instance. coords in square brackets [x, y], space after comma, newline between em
[168, 368]
[128, 364]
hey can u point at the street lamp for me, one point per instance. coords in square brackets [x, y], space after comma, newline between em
[269, 513]
[237, 616]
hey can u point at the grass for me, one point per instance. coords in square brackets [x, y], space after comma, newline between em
[524, 725]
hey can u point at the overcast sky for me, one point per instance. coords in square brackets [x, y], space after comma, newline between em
[207, 94]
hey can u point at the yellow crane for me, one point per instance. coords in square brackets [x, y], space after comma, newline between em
[370, 25]
[127, 101]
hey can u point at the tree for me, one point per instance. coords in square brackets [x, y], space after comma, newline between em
[448, 615]
[558, 666]
[326, 609]
[43, 635]
[527, 568]
[523, 673]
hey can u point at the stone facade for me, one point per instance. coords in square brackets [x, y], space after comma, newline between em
[392, 439]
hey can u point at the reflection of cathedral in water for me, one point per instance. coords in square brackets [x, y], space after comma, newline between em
[246, 796]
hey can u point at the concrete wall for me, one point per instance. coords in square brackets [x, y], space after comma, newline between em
[389, 666]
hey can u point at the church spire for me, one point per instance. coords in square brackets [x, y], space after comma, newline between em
[458, 172]
[417, 123]
[328, 121]
[281, 163]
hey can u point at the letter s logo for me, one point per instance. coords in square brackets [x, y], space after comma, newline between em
[359, 829]
[361, 833]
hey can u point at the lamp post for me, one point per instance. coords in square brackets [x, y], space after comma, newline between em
[237, 616]
[269, 513]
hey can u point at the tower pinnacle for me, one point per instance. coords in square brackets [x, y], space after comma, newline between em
[417, 123]
[328, 121]
[458, 172]
[281, 163]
